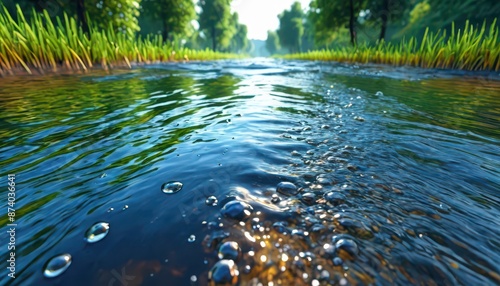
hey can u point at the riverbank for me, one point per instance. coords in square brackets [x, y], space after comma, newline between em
[39, 45]
[468, 48]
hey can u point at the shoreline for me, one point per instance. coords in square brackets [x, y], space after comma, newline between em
[63, 69]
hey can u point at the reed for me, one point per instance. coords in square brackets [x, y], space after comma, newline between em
[469, 48]
[40, 44]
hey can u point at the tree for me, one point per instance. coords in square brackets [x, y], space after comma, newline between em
[215, 19]
[307, 41]
[387, 11]
[120, 14]
[291, 28]
[239, 41]
[80, 15]
[175, 16]
[441, 14]
[330, 16]
[445, 12]
[272, 42]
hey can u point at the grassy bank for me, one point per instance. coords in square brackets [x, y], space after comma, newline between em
[38, 44]
[469, 48]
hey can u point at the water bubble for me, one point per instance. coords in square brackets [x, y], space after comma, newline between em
[337, 261]
[350, 224]
[321, 179]
[237, 210]
[324, 275]
[299, 233]
[359, 118]
[317, 227]
[287, 188]
[352, 168]
[125, 207]
[308, 198]
[444, 208]
[280, 227]
[328, 250]
[171, 187]
[229, 250]
[110, 210]
[193, 278]
[57, 265]
[275, 199]
[248, 268]
[211, 201]
[334, 198]
[347, 245]
[224, 272]
[337, 110]
[192, 238]
[97, 232]
[379, 93]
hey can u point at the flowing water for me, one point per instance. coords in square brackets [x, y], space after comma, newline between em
[386, 176]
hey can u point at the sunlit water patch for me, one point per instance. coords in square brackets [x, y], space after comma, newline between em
[290, 173]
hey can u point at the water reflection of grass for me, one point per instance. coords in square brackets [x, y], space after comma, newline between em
[121, 123]
[469, 104]
[41, 45]
[469, 48]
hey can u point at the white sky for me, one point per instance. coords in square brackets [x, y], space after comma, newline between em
[262, 15]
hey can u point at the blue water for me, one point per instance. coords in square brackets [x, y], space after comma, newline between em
[412, 157]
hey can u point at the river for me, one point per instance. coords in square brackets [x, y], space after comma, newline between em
[396, 170]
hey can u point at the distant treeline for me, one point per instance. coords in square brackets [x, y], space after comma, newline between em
[177, 21]
[335, 23]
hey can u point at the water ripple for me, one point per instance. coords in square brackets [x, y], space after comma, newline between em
[401, 163]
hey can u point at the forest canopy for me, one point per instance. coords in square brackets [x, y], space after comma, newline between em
[335, 23]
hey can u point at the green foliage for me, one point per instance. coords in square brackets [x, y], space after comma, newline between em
[272, 42]
[41, 44]
[327, 17]
[419, 11]
[173, 16]
[239, 42]
[215, 22]
[291, 28]
[307, 41]
[469, 48]
[475, 11]
[330, 16]
[120, 14]
[381, 12]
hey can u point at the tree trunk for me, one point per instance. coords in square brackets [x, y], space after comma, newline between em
[165, 32]
[384, 17]
[352, 28]
[214, 40]
[80, 14]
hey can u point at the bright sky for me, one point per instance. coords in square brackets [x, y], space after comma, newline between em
[262, 15]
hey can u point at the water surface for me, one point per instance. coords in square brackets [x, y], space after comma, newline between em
[403, 162]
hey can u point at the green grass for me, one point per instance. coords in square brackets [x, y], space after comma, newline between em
[40, 44]
[469, 48]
